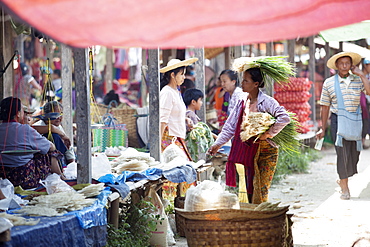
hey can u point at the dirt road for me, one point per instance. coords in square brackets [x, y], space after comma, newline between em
[321, 218]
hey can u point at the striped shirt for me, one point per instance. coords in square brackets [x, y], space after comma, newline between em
[350, 92]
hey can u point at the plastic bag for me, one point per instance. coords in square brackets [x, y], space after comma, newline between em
[159, 236]
[54, 184]
[100, 165]
[11, 200]
[209, 195]
[71, 171]
[172, 151]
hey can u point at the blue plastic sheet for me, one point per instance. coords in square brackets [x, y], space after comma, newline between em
[176, 175]
[96, 214]
[57, 231]
[181, 174]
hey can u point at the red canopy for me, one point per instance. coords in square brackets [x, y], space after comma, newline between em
[180, 23]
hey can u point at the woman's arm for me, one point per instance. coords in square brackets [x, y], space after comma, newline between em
[45, 129]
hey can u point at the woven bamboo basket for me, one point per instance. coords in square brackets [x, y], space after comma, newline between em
[180, 220]
[232, 227]
[124, 115]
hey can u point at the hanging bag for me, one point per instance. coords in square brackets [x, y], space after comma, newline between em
[349, 123]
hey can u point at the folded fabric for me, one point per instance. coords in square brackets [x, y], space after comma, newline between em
[181, 174]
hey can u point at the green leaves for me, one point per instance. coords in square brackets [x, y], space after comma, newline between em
[198, 140]
[287, 138]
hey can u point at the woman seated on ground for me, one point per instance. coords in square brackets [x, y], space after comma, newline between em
[59, 138]
[21, 166]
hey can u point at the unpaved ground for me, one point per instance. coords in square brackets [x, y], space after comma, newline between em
[320, 217]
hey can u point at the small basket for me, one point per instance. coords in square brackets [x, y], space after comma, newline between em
[237, 227]
[124, 115]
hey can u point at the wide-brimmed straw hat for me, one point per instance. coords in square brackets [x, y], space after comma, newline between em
[176, 63]
[28, 110]
[356, 59]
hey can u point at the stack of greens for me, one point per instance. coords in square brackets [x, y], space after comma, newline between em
[259, 122]
[198, 140]
[273, 68]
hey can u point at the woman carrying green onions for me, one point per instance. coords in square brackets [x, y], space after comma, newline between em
[258, 154]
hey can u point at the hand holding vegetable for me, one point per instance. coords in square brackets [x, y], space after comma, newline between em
[213, 149]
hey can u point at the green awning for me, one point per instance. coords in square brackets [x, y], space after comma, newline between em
[347, 33]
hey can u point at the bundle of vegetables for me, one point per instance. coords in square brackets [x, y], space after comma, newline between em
[273, 68]
[259, 122]
[198, 140]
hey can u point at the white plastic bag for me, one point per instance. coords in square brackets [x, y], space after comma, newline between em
[159, 236]
[209, 195]
[11, 200]
[100, 165]
[54, 184]
[172, 151]
[70, 172]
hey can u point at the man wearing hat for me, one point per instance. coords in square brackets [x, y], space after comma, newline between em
[340, 96]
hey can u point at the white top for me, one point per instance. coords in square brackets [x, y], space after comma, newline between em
[57, 83]
[172, 111]
[237, 94]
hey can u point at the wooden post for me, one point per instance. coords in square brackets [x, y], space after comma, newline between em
[269, 49]
[108, 70]
[144, 70]
[326, 58]
[250, 50]
[66, 75]
[269, 52]
[153, 82]
[227, 58]
[311, 70]
[291, 50]
[82, 116]
[7, 51]
[200, 79]
[237, 51]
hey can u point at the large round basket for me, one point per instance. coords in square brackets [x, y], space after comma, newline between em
[232, 227]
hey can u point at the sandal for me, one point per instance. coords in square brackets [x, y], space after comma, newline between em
[345, 196]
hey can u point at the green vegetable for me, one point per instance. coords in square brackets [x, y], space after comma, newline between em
[287, 138]
[198, 140]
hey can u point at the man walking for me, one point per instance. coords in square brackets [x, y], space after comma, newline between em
[340, 96]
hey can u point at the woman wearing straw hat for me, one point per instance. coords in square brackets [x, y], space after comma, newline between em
[340, 96]
[172, 106]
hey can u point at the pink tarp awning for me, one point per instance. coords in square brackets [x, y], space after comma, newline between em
[180, 23]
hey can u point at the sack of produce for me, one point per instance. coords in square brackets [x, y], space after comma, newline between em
[209, 195]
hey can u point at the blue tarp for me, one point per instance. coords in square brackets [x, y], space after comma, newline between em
[86, 227]
[176, 175]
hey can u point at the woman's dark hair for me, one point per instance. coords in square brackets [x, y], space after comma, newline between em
[192, 94]
[110, 96]
[232, 75]
[24, 68]
[51, 106]
[166, 76]
[9, 107]
[256, 76]
[186, 85]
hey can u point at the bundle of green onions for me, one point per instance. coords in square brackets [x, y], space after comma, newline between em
[273, 68]
[259, 122]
